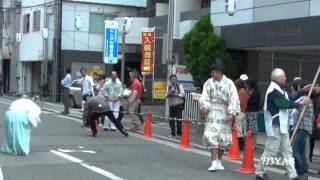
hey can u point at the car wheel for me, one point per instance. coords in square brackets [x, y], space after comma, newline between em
[72, 102]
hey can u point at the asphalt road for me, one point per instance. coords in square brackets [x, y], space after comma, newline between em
[60, 150]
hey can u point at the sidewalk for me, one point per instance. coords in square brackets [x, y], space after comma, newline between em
[161, 129]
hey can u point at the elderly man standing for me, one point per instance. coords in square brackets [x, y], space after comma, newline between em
[276, 114]
[113, 93]
[220, 100]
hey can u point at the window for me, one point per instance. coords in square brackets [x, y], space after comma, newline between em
[96, 22]
[26, 23]
[36, 21]
[8, 17]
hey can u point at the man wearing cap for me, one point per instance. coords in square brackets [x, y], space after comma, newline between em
[220, 100]
[96, 107]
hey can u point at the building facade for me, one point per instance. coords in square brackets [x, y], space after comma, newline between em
[30, 32]
[271, 33]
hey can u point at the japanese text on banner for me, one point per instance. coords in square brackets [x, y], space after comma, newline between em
[147, 51]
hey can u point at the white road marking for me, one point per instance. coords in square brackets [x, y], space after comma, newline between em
[86, 165]
[71, 150]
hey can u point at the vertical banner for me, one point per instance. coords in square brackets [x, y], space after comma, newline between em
[147, 51]
[110, 52]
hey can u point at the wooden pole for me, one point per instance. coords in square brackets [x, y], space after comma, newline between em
[304, 108]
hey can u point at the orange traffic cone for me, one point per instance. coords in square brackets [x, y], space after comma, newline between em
[185, 140]
[234, 153]
[147, 133]
[248, 163]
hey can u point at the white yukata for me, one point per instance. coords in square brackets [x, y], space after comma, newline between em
[220, 97]
[115, 90]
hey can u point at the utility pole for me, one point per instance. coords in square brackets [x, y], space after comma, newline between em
[56, 69]
[126, 26]
[1, 36]
[170, 36]
[123, 52]
[169, 44]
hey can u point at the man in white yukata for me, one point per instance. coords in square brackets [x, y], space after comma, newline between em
[221, 101]
[113, 94]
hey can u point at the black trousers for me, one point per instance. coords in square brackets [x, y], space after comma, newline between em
[93, 116]
[175, 112]
[140, 116]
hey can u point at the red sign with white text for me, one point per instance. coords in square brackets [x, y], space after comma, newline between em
[147, 51]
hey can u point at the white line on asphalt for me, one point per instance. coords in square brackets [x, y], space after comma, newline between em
[72, 150]
[86, 165]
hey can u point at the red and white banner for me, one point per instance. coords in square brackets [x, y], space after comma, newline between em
[147, 51]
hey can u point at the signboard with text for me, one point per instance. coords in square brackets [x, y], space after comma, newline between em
[110, 53]
[160, 89]
[147, 51]
[184, 77]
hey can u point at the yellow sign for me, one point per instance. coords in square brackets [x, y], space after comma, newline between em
[159, 90]
[95, 71]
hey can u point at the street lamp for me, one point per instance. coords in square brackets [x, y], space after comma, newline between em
[231, 7]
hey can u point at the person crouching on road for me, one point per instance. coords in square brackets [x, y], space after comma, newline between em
[175, 94]
[220, 100]
[96, 107]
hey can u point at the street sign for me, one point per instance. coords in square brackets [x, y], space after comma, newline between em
[184, 77]
[147, 63]
[110, 53]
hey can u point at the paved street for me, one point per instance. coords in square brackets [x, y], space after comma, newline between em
[60, 149]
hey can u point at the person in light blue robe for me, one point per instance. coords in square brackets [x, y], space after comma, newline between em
[23, 114]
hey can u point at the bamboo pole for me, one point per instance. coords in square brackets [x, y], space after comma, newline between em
[304, 108]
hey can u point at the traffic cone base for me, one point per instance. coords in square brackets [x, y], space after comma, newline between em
[246, 171]
[147, 133]
[185, 139]
[233, 158]
[183, 146]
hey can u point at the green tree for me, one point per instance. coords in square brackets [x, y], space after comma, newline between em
[201, 48]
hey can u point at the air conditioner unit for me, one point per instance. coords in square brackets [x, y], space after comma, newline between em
[45, 33]
[18, 37]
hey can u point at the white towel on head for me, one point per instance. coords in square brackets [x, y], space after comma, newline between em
[32, 109]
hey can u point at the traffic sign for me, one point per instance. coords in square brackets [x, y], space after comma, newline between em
[110, 53]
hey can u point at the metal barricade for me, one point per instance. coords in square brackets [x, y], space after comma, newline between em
[191, 108]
